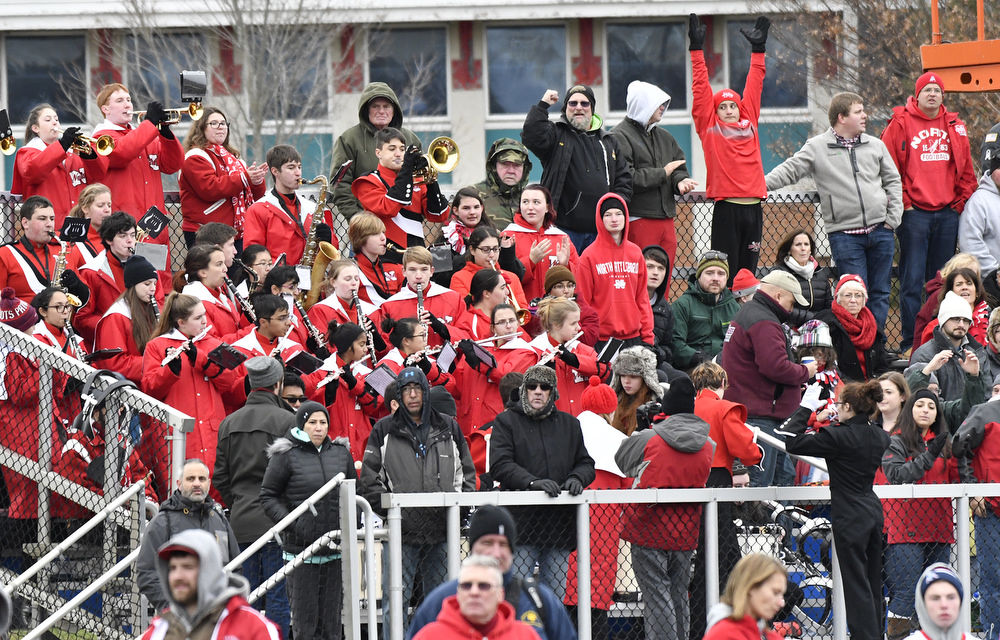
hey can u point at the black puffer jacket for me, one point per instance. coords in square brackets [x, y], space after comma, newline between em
[817, 290]
[296, 470]
[663, 321]
[877, 359]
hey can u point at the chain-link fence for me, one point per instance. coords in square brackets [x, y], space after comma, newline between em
[71, 440]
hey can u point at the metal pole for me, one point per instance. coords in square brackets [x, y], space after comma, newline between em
[583, 570]
[454, 541]
[962, 547]
[394, 518]
[711, 553]
[839, 605]
[349, 556]
[369, 566]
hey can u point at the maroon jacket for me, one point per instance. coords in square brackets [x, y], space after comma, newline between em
[757, 358]
[675, 453]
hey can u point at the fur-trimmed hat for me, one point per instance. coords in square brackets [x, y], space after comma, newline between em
[636, 361]
[539, 374]
[953, 306]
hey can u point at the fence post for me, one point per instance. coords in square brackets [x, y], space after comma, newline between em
[583, 570]
[349, 555]
[839, 605]
[962, 547]
[454, 541]
[711, 553]
[394, 519]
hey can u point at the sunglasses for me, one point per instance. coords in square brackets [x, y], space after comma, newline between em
[714, 255]
[293, 399]
[579, 103]
[531, 386]
[482, 586]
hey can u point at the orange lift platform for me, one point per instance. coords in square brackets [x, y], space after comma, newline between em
[969, 67]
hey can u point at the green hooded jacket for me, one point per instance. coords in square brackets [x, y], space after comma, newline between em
[500, 201]
[700, 323]
[358, 144]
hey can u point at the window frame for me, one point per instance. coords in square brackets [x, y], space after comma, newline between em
[508, 120]
[88, 89]
[436, 122]
[770, 114]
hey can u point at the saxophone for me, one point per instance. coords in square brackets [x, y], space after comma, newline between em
[60, 267]
[363, 321]
[317, 255]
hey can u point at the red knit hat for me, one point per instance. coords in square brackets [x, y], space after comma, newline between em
[15, 312]
[926, 79]
[850, 281]
[744, 283]
[599, 397]
[727, 94]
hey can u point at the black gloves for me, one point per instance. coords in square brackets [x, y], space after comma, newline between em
[323, 231]
[758, 35]
[410, 159]
[699, 357]
[439, 327]
[468, 350]
[348, 377]
[573, 485]
[436, 202]
[192, 353]
[423, 363]
[696, 33]
[175, 367]
[568, 357]
[73, 284]
[320, 352]
[550, 487]
[936, 446]
[155, 113]
[68, 136]
[377, 341]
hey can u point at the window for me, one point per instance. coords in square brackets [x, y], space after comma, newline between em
[654, 53]
[287, 73]
[785, 83]
[414, 62]
[154, 65]
[522, 63]
[49, 69]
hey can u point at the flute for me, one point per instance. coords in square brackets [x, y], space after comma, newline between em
[549, 356]
[174, 352]
[429, 351]
[335, 374]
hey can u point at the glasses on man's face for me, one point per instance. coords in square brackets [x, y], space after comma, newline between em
[482, 586]
[294, 399]
[712, 254]
[489, 250]
[579, 103]
[281, 318]
[531, 386]
[221, 124]
[266, 263]
[59, 308]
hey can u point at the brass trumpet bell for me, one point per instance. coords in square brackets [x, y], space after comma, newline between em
[8, 145]
[442, 157]
[103, 145]
[194, 110]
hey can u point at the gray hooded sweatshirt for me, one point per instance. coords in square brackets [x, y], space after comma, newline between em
[929, 630]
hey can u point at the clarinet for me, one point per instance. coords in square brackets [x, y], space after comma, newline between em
[314, 333]
[71, 338]
[156, 309]
[363, 321]
[244, 303]
[420, 306]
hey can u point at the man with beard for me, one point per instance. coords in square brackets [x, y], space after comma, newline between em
[580, 161]
[703, 312]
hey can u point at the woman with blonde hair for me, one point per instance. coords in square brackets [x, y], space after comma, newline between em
[932, 288]
[754, 594]
[94, 204]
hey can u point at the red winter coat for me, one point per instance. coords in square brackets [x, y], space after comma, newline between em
[745, 629]
[534, 273]
[333, 308]
[572, 382]
[732, 150]
[727, 424]
[207, 189]
[238, 620]
[395, 361]
[224, 315]
[933, 157]
[84, 252]
[450, 625]
[192, 392]
[105, 275]
[478, 398]
[60, 176]
[918, 520]
[679, 456]
[379, 280]
[27, 267]
[444, 304]
[370, 190]
[611, 277]
[268, 223]
[114, 330]
[461, 282]
[352, 410]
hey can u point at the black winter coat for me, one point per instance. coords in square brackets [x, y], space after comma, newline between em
[296, 470]
[817, 290]
[523, 449]
[663, 325]
[241, 460]
[877, 359]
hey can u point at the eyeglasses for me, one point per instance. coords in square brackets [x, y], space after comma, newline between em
[505, 322]
[712, 254]
[293, 399]
[482, 586]
[852, 295]
[531, 386]
[60, 308]
[221, 124]
[267, 263]
[283, 318]
[418, 335]
[579, 103]
[489, 249]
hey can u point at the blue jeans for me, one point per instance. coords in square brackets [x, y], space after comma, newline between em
[927, 240]
[778, 468]
[430, 560]
[552, 565]
[257, 569]
[988, 553]
[903, 565]
[869, 256]
[581, 240]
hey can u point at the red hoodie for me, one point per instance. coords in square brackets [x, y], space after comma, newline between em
[933, 157]
[451, 625]
[611, 277]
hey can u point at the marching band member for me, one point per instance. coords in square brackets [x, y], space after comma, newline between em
[129, 322]
[271, 335]
[105, 274]
[27, 265]
[409, 340]
[282, 219]
[345, 282]
[441, 306]
[467, 215]
[352, 404]
[478, 395]
[284, 282]
[484, 249]
[574, 361]
[94, 204]
[539, 244]
[203, 277]
[487, 290]
[380, 280]
[189, 381]
[258, 260]
[47, 165]
[140, 156]
[215, 184]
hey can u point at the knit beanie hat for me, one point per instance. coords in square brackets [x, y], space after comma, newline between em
[994, 163]
[138, 269]
[850, 281]
[939, 571]
[926, 79]
[15, 312]
[744, 283]
[656, 253]
[815, 333]
[344, 336]
[599, 397]
[307, 409]
[726, 94]
[264, 372]
[490, 519]
[953, 306]
[710, 260]
[557, 274]
[636, 361]
[679, 398]
[609, 203]
[585, 90]
[443, 402]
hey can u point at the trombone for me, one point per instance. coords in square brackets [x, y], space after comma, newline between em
[195, 110]
[103, 145]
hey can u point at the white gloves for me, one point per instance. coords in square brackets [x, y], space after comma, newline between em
[810, 398]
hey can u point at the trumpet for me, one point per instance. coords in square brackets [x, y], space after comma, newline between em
[8, 145]
[523, 315]
[103, 145]
[195, 110]
[442, 157]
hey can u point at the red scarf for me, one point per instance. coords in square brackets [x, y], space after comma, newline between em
[860, 330]
[457, 234]
[235, 167]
